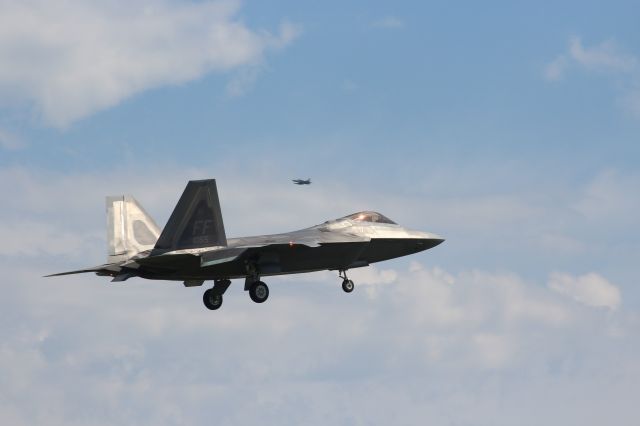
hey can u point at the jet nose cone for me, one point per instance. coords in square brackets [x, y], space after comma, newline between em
[437, 241]
[428, 243]
[428, 240]
[433, 237]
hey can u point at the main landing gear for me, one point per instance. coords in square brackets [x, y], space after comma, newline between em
[347, 284]
[212, 298]
[258, 291]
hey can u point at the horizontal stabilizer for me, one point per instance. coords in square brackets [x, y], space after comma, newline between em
[123, 276]
[106, 269]
[196, 221]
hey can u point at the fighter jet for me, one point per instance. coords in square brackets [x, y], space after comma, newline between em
[193, 247]
[302, 181]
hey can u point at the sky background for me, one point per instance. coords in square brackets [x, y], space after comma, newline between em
[510, 128]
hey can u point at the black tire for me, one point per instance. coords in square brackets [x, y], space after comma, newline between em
[347, 286]
[259, 292]
[211, 300]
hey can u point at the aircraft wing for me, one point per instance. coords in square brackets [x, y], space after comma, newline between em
[248, 249]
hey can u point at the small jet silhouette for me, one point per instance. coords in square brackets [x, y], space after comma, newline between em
[302, 181]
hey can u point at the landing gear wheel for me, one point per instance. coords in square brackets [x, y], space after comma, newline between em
[259, 292]
[347, 286]
[211, 300]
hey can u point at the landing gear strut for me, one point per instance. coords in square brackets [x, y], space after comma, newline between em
[347, 284]
[258, 291]
[212, 298]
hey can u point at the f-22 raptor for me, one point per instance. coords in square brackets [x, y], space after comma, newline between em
[302, 181]
[193, 246]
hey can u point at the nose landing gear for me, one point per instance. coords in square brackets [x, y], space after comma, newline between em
[347, 284]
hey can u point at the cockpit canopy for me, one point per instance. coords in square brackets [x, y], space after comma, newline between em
[372, 217]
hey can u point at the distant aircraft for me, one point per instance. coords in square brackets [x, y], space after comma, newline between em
[302, 181]
[193, 246]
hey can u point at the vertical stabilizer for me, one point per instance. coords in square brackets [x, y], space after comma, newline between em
[130, 230]
[196, 221]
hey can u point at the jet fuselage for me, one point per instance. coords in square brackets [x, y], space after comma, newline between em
[339, 244]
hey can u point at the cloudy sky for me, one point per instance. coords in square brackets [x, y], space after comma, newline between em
[510, 129]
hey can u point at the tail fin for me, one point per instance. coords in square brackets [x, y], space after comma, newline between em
[130, 229]
[196, 220]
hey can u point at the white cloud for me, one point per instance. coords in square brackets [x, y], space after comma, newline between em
[562, 243]
[591, 289]
[245, 78]
[373, 278]
[610, 198]
[431, 339]
[243, 81]
[29, 238]
[605, 58]
[555, 69]
[411, 342]
[10, 141]
[71, 59]
[388, 22]
[493, 349]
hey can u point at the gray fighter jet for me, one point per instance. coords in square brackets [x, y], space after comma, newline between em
[302, 181]
[193, 246]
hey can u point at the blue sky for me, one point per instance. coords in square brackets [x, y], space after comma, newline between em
[509, 128]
